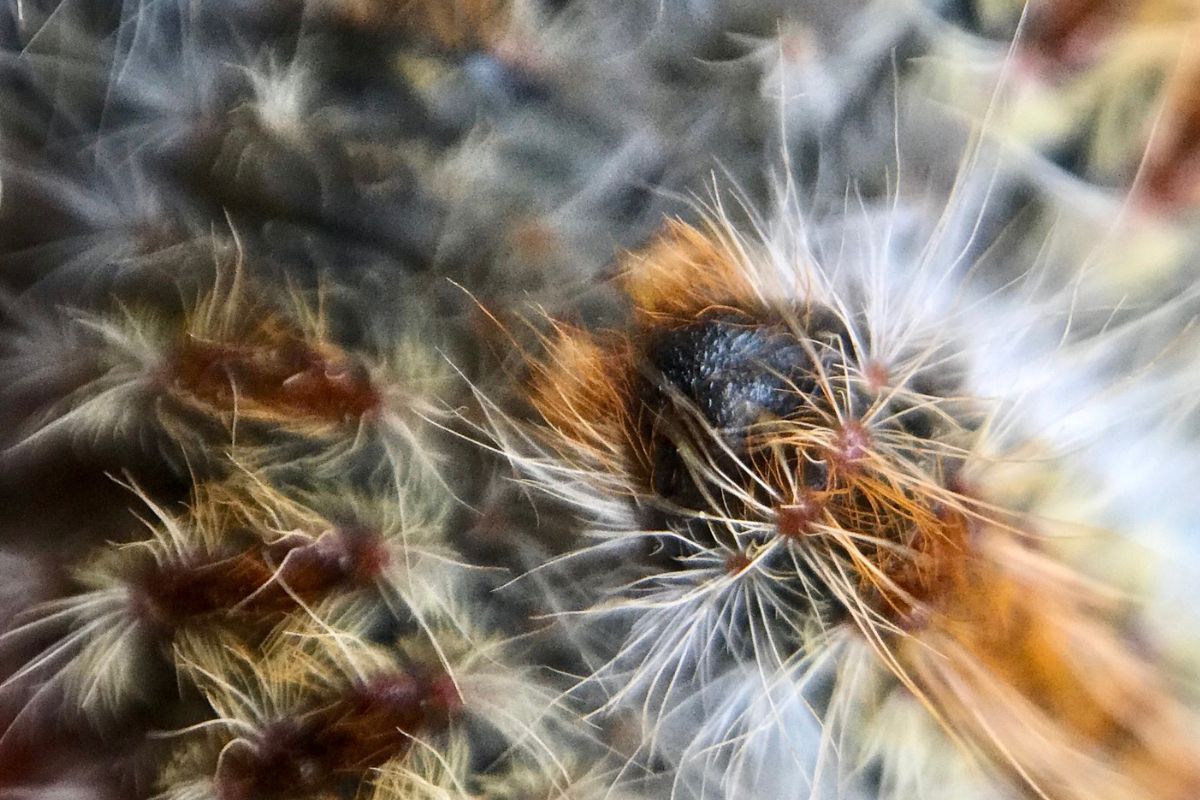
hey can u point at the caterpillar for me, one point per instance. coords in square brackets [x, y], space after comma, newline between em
[803, 500]
[539, 399]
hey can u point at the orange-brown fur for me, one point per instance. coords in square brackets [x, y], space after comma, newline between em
[275, 374]
[265, 367]
[684, 272]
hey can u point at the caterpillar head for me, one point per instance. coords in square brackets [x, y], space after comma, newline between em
[736, 412]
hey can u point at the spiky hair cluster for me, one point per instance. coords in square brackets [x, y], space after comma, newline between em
[532, 400]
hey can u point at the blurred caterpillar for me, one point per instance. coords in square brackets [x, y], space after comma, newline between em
[1108, 90]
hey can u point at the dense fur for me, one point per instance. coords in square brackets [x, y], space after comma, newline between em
[530, 399]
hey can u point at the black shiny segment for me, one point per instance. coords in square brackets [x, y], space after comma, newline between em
[736, 371]
[732, 371]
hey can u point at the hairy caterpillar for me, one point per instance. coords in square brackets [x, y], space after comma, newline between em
[234, 372]
[319, 707]
[882, 493]
[795, 473]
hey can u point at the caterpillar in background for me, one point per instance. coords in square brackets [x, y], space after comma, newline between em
[542, 400]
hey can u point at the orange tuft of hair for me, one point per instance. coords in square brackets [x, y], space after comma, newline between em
[581, 391]
[684, 272]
